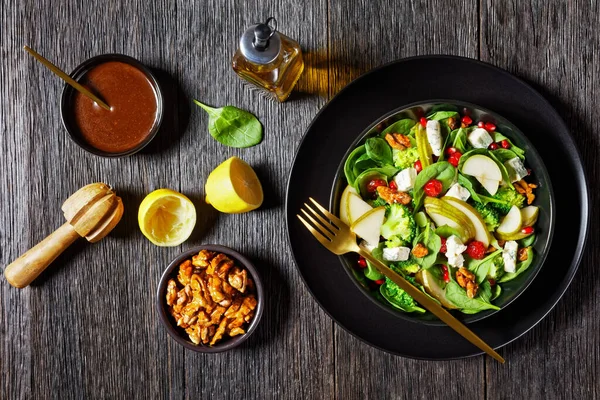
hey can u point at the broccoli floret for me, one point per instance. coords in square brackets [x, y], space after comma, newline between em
[378, 202]
[408, 267]
[490, 215]
[507, 197]
[399, 298]
[400, 223]
[405, 158]
[395, 241]
[496, 268]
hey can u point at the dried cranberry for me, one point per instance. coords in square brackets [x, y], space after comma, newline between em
[423, 122]
[362, 263]
[528, 230]
[374, 184]
[476, 250]
[443, 249]
[445, 273]
[492, 282]
[418, 166]
[433, 188]
[393, 185]
[380, 281]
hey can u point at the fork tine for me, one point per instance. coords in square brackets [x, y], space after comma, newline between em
[315, 232]
[327, 224]
[329, 215]
[324, 232]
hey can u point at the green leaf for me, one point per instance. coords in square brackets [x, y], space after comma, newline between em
[489, 154]
[481, 268]
[521, 267]
[433, 243]
[362, 164]
[361, 181]
[460, 140]
[233, 127]
[403, 127]
[371, 272]
[399, 298]
[439, 115]
[468, 184]
[498, 137]
[496, 291]
[458, 296]
[445, 231]
[379, 151]
[528, 241]
[442, 171]
[504, 154]
[350, 161]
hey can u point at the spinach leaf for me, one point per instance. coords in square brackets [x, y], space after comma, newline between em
[371, 272]
[528, 241]
[460, 140]
[481, 268]
[361, 181]
[439, 115]
[398, 297]
[433, 243]
[233, 127]
[490, 154]
[498, 137]
[496, 291]
[521, 267]
[379, 151]
[445, 231]
[458, 296]
[504, 154]
[467, 183]
[363, 163]
[403, 126]
[485, 291]
[442, 171]
[350, 161]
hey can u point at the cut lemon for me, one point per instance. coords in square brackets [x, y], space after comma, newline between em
[233, 187]
[166, 217]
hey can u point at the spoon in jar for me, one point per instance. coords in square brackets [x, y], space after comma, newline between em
[67, 78]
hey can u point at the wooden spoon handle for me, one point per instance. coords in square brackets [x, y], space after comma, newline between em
[26, 268]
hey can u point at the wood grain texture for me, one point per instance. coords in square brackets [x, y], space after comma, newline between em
[87, 328]
[551, 47]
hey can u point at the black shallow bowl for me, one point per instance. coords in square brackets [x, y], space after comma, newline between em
[544, 200]
[66, 102]
[392, 87]
[179, 334]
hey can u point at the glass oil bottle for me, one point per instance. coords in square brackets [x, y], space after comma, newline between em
[268, 59]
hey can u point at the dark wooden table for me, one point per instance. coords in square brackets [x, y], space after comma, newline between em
[88, 328]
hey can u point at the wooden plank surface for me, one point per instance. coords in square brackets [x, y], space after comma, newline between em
[88, 329]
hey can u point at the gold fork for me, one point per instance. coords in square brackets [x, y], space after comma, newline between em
[339, 239]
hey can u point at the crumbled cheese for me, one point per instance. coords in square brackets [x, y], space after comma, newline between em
[434, 137]
[405, 179]
[368, 246]
[516, 170]
[454, 250]
[480, 138]
[459, 192]
[509, 255]
[396, 253]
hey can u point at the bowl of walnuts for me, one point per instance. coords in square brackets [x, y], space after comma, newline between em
[210, 299]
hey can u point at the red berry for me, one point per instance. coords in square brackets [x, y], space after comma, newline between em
[423, 122]
[493, 146]
[380, 281]
[467, 120]
[476, 250]
[362, 263]
[393, 185]
[451, 150]
[528, 230]
[445, 273]
[433, 188]
[455, 158]
[374, 184]
[418, 166]
[443, 249]
[490, 127]
[481, 124]
[492, 281]
[505, 144]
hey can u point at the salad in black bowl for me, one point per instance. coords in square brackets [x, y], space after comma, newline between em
[455, 199]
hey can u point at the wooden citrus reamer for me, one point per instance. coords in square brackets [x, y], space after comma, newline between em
[91, 212]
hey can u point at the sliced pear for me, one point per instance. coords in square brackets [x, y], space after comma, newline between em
[344, 203]
[443, 213]
[356, 207]
[512, 223]
[529, 215]
[369, 224]
[512, 236]
[481, 232]
[433, 287]
[485, 170]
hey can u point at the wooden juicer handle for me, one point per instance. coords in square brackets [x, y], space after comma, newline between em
[91, 212]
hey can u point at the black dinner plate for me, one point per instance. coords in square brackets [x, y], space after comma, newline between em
[374, 95]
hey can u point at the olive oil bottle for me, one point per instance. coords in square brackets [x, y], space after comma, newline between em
[268, 59]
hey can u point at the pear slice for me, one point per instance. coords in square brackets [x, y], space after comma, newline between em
[356, 207]
[344, 203]
[485, 170]
[481, 232]
[443, 213]
[433, 287]
[512, 236]
[369, 224]
[529, 215]
[512, 223]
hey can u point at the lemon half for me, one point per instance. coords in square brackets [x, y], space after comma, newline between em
[167, 217]
[233, 187]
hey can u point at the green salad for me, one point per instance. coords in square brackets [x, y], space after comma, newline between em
[444, 202]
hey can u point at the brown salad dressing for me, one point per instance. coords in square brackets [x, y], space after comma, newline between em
[133, 105]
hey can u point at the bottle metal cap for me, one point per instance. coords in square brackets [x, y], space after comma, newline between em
[261, 43]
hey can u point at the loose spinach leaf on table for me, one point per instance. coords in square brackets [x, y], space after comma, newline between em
[379, 151]
[403, 126]
[233, 127]
[443, 171]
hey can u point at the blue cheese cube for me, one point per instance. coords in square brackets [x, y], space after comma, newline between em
[516, 170]
[396, 253]
[459, 192]
[405, 179]
[434, 137]
[509, 256]
[454, 249]
[480, 138]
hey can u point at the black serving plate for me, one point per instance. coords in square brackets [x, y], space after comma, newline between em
[389, 88]
[544, 200]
